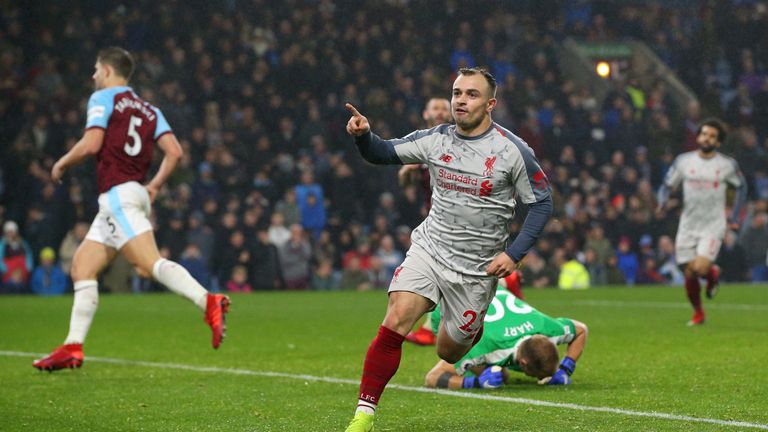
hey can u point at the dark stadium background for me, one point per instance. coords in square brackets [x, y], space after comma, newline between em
[254, 90]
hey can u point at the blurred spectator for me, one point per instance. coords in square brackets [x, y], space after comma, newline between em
[390, 257]
[648, 273]
[537, 272]
[322, 277]
[16, 259]
[295, 257]
[289, 208]
[378, 277]
[754, 240]
[354, 277]
[279, 234]
[732, 260]
[667, 264]
[192, 259]
[69, 245]
[266, 263]
[48, 278]
[627, 261]
[238, 282]
[573, 275]
[311, 202]
[598, 275]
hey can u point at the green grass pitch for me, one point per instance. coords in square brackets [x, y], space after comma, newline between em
[640, 357]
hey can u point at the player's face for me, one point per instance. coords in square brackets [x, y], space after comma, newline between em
[98, 76]
[708, 139]
[471, 103]
[437, 112]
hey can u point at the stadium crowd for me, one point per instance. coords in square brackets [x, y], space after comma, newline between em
[271, 193]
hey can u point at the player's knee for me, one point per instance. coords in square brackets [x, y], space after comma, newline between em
[80, 272]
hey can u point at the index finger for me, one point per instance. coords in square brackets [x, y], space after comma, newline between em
[353, 110]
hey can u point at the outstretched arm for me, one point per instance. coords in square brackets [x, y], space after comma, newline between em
[444, 375]
[173, 152]
[576, 347]
[89, 145]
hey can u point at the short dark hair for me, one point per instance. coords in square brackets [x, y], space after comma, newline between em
[484, 72]
[119, 59]
[717, 124]
[541, 355]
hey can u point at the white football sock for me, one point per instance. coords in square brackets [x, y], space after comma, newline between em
[177, 279]
[83, 310]
[365, 407]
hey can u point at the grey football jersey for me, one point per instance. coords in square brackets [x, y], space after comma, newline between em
[704, 190]
[476, 182]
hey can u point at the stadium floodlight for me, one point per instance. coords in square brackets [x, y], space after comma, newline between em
[603, 69]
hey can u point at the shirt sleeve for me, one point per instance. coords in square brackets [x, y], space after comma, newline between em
[99, 110]
[529, 180]
[162, 125]
[414, 147]
[674, 174]
[563, 331]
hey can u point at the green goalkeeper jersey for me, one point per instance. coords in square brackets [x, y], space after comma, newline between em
[508, 322]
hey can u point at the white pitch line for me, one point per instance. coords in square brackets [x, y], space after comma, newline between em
[468, 395]
[664, 305]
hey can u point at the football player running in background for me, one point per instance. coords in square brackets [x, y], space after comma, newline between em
[458, 253]
[705, 174]
[121, 131]
[515, 337]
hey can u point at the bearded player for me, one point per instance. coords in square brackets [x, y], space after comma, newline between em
[459, 252]
[705, 174]
[121, 131]
[515, 337]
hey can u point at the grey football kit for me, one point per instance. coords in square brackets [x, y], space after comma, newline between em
[477, 182]
[703, 222]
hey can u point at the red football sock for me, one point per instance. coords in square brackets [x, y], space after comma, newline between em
[693, 289]
[713, 275]
[381, 363]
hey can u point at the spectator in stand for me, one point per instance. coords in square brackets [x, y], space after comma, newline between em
[754, 240]
[192, 259]
[295, 258]
[69, 245]
[732, 260]
[266, 263]
[48, 278]
[311, 202]
[627, 260]
[323, 278]
[238, 282]
[354, 277]
[16, 260]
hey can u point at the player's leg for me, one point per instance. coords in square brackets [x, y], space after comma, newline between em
[424, 335]
[685, 253]
[706, 253]
[463, 306]
[141, 251]
[411, 295]
[90, 259]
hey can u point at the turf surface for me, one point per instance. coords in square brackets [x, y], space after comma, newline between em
[640, 357]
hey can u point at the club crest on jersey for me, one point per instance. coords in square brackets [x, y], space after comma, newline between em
[446, 158]
[489, 166]
[396, 274]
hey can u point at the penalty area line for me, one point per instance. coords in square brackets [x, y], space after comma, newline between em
[443, 392]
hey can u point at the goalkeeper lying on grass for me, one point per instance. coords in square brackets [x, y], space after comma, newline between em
[515, 337]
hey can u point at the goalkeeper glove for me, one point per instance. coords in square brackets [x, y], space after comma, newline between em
[491, 378]
[563, 374]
